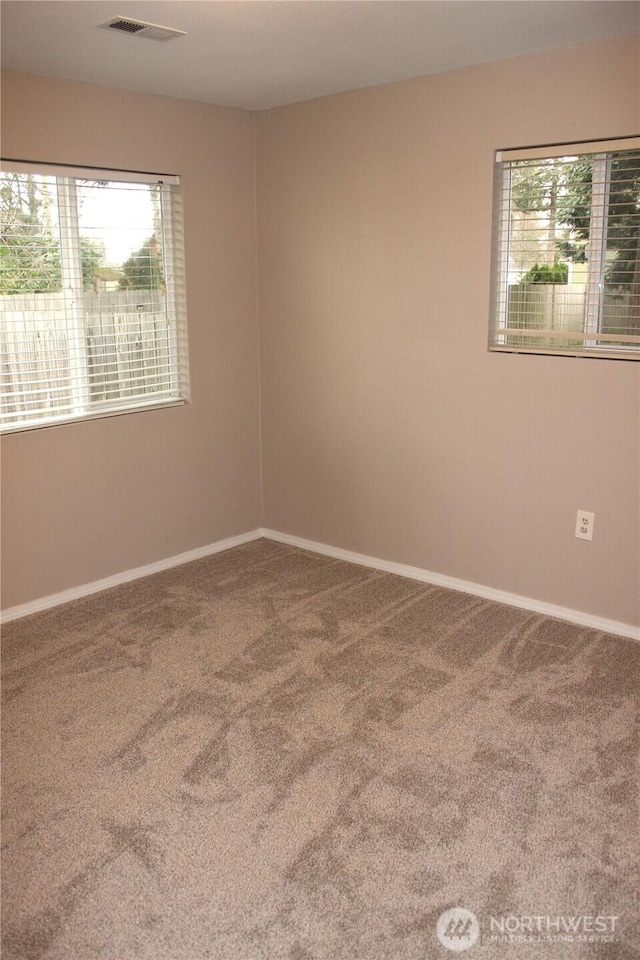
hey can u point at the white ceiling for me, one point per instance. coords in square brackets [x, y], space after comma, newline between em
[263, 54]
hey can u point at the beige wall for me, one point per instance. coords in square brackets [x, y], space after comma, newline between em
[87, 500]
[388, 428]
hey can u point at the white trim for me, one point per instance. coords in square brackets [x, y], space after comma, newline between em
[87, 173]
[575, 149]
[86, 589]
[466, 586]
[388, 566]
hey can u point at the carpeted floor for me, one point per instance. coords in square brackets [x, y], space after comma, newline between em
[272, 754]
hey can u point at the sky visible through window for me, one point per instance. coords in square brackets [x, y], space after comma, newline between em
[119, 215]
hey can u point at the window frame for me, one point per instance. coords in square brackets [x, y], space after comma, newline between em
[83, 407]
[593, 346]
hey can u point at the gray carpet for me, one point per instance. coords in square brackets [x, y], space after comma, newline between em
[273, 754]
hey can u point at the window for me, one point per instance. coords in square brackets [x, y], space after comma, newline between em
[92, 298]
[566, 258]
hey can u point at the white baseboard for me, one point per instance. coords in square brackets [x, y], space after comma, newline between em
[465, 586]
[388, 566]
[85, 589]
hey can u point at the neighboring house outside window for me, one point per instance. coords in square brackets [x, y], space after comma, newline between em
[566, 250]
[92, 298]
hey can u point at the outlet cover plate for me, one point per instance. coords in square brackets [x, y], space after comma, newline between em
[584, 525]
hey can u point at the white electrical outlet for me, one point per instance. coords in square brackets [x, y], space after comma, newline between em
[584, 525]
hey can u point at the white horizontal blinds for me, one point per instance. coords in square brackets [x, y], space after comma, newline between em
[620, 299]
[566, 251]
[175, 288]
[92, 307]
[558, 150]
[95, 173]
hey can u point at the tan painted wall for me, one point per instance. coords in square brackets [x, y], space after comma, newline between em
[87, 500]
[387, 426]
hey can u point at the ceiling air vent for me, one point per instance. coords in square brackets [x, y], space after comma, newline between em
[138, 28]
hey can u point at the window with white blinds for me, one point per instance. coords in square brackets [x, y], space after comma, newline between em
[92, 294]
[566, 257]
